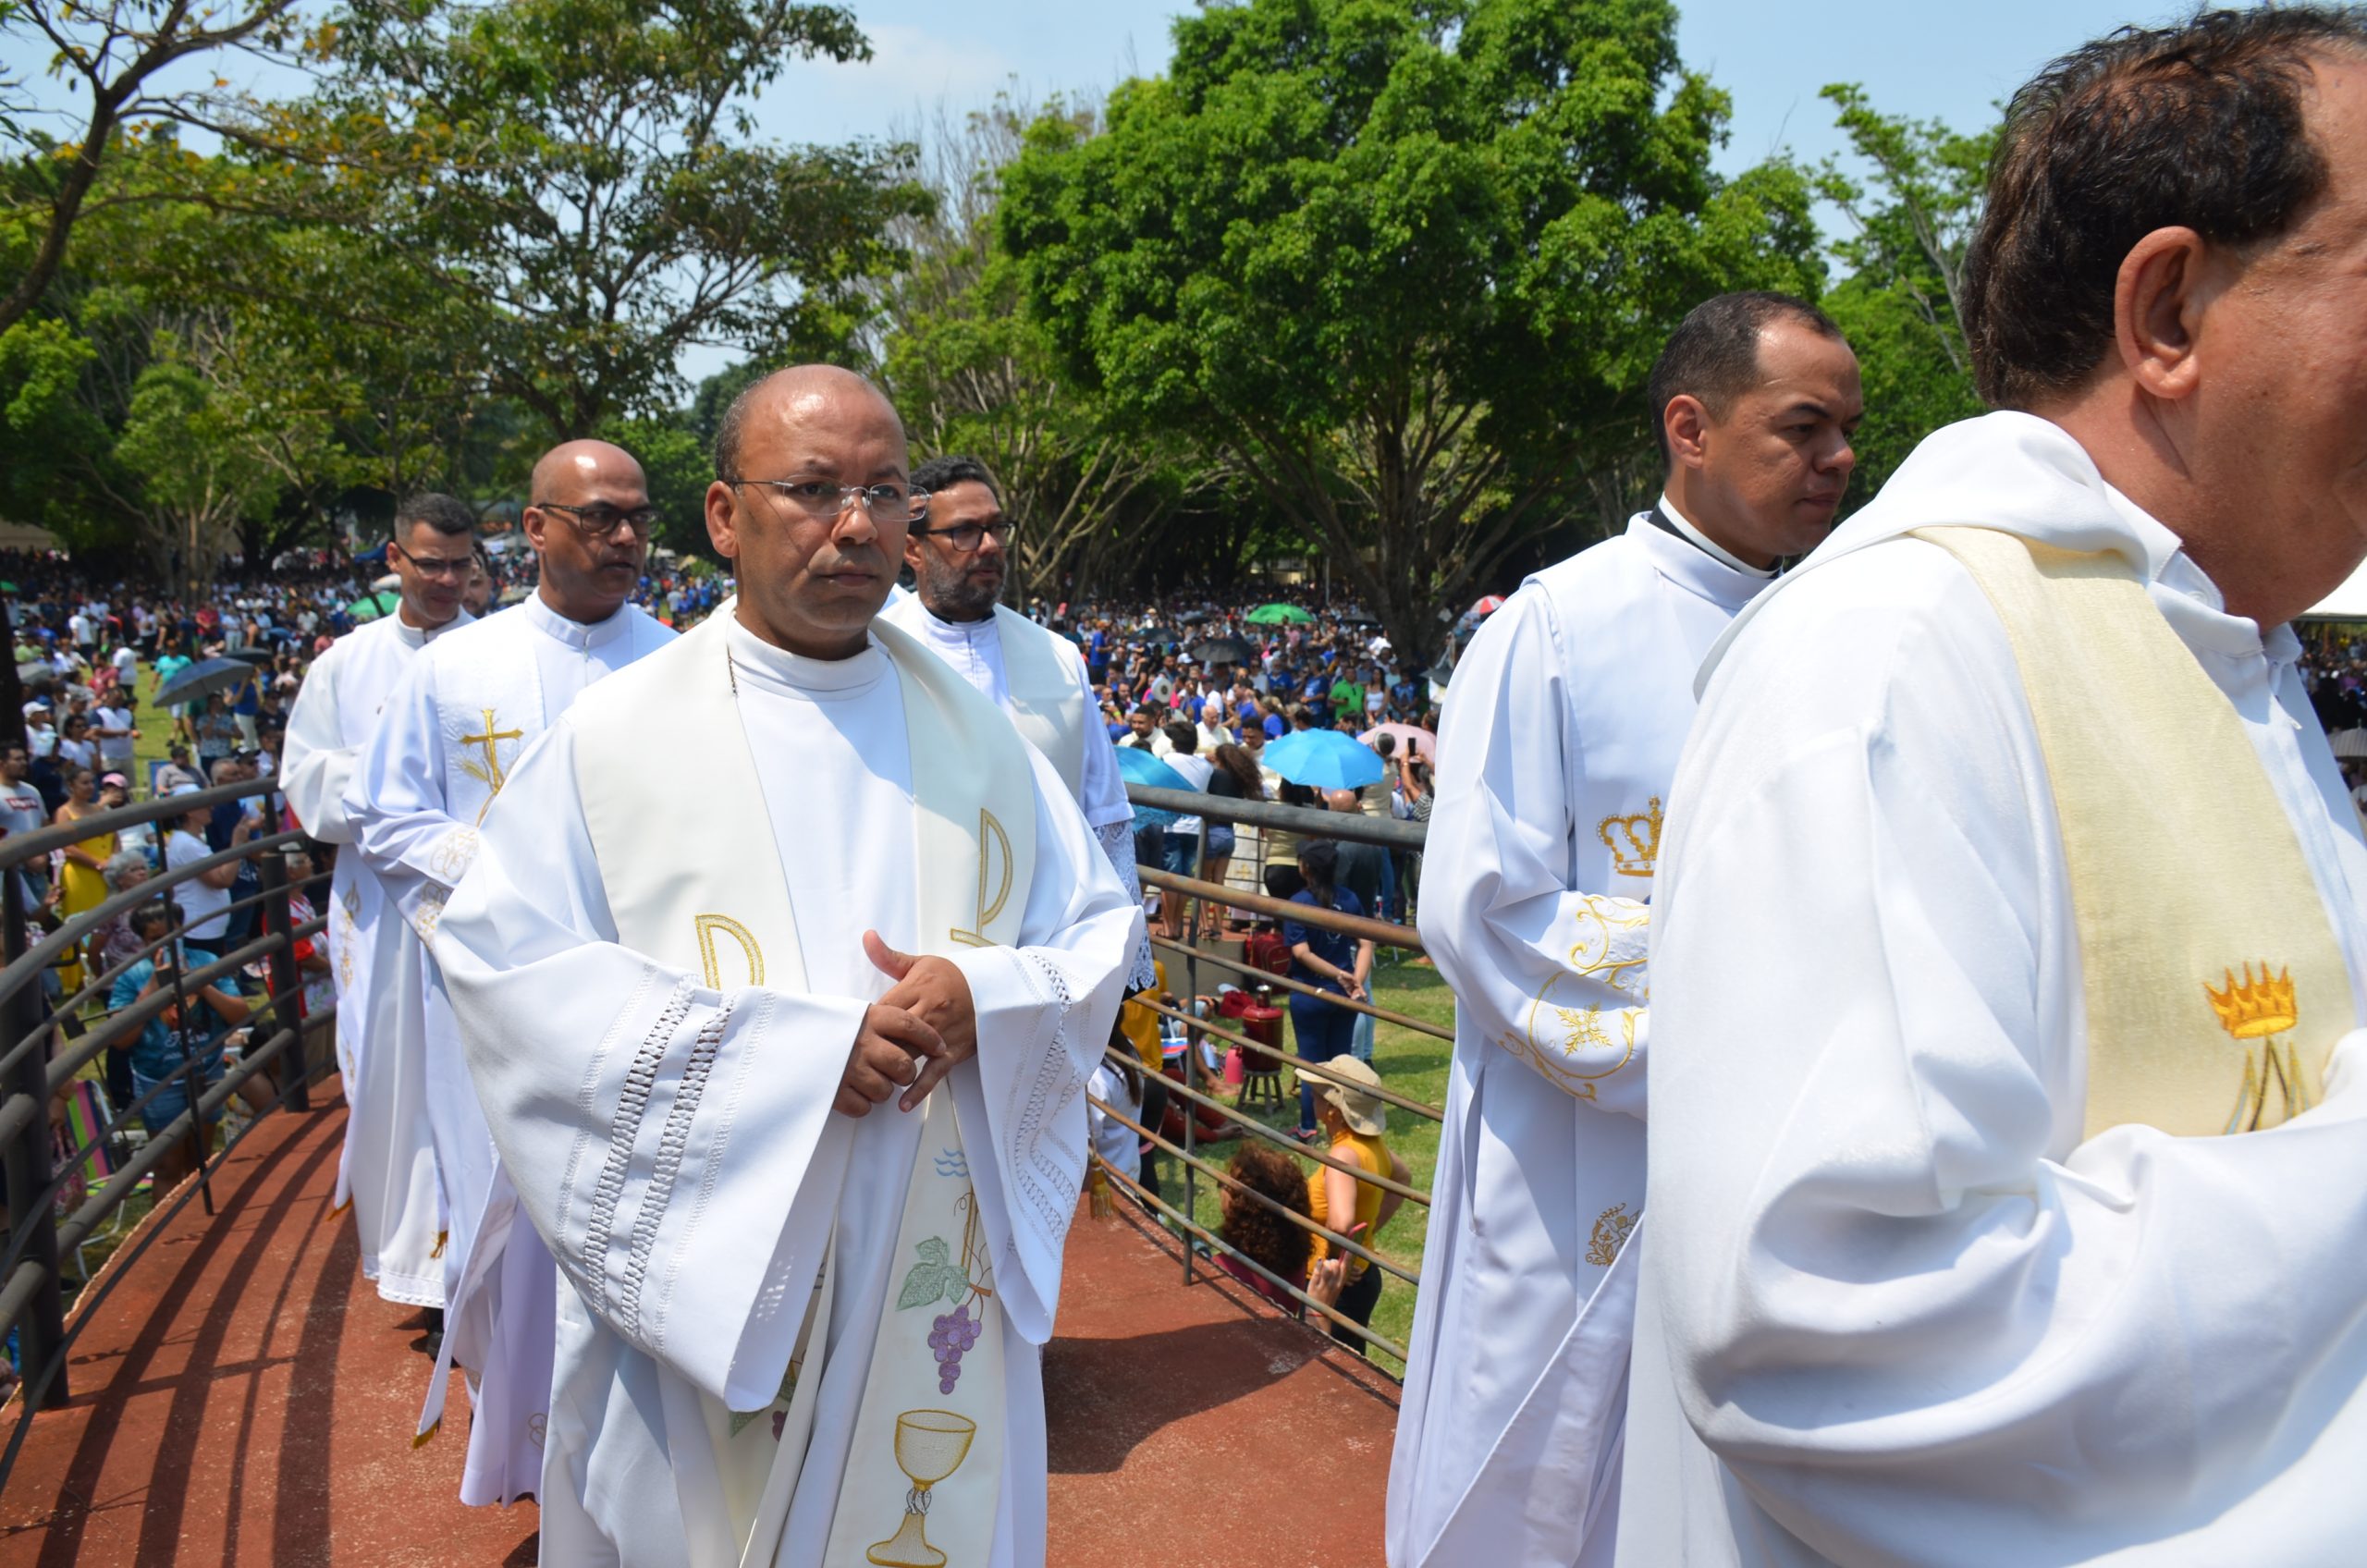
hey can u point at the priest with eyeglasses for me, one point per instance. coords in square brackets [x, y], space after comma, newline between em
[791, 1084]
[960, 556]
[445, 745]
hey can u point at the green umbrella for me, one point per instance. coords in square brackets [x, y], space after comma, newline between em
[370, 606]
[1274, 615]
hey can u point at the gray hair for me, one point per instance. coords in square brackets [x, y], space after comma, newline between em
[120, 863]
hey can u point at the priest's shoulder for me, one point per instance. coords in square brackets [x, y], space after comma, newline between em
[648, 682]
[1011, 623]
[1607, 568]
[1866, 616]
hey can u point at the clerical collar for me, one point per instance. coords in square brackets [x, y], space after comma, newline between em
[420, 636]
[576, 634]
[951, 633]
[758, 663]
[1664, 515]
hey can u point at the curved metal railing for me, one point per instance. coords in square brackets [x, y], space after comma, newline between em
[1183, 1010]
[45, 1045]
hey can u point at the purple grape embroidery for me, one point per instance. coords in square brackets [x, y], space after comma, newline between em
[937, 1277]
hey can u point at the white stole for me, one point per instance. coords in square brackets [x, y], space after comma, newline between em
[1047, 705]
[690, 896]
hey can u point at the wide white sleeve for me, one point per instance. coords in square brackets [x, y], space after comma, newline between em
[674, 1145]
[394, 802]
[1554, 974]
[318, 764]
[1044, 1012]
[1917, 1318]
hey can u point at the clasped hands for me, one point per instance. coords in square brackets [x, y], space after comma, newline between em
[924, 1027]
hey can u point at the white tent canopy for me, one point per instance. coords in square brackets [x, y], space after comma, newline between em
[2347, 602]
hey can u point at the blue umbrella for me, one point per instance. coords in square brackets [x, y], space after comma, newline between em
[1324, 759]
[202, 679]
[1141, 767]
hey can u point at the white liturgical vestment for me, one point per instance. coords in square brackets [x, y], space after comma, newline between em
[472, 706]
[387, 1168]
[1055, 709]
[675, 1144]
[1898, 1304]
[1562, 731]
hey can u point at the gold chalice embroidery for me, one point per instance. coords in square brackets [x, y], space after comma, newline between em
[930, 1445]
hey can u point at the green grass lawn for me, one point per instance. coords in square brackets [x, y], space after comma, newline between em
[1410, 1064]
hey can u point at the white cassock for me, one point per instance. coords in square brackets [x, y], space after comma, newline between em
[387, 1168]
[470, 706]
[1560, 734]
[1901, 1304]
[1040, 681]
[675, 1144]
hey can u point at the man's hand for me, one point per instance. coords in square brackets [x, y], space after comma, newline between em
[936, 991]
[890, 1049]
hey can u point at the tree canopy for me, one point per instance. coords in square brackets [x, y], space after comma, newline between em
[1402, 263]
[1376, 282]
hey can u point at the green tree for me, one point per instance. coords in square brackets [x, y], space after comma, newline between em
[1912, 203]
[114, 53]
[1401, 264]
[973, 372]
[580, 179]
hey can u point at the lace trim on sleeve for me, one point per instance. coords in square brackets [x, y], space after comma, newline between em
[671, 1142]
[1047, 1172]
[1118, 843]
[624, 1127]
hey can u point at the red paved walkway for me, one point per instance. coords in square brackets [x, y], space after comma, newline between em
[244, 1397]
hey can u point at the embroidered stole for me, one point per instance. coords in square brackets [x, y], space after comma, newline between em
[1047, 705]
[928, 1449]
[2214, 987]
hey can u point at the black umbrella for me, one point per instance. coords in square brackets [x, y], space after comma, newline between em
[1192, 617]
[1222, 650]
[202, 679]
[1357, 617]
[251, 656]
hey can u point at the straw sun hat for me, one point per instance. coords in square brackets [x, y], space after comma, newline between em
[1363, 1111]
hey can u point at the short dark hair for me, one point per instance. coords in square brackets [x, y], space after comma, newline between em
[950, 469]
[1713, 353]
[447, 515]
[2198, 125]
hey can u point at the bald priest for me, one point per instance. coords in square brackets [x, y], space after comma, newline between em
[789, 1074]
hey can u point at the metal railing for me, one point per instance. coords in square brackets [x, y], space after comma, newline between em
[1182, 1010]
[45, 1045]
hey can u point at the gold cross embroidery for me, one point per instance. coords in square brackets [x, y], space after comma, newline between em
[491, 775]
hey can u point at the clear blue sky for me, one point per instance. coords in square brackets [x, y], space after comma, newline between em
[1950, 61]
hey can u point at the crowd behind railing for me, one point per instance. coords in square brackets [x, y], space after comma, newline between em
[140, 1038]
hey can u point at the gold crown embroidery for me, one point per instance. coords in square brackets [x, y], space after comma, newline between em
[2259, 1010]
[1634, 841]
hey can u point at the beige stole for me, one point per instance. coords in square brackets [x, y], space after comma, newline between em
[927, 1451]
[1047, 702]
[2215, 987]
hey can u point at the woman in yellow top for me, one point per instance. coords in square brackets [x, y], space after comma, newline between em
[83, 885]
[1356, 1122]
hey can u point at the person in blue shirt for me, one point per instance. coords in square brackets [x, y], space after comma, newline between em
[171, 1039]
[1330, 960]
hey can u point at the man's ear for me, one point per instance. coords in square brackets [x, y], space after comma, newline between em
[723, 519]
[2158, 301]
[1686, 421]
